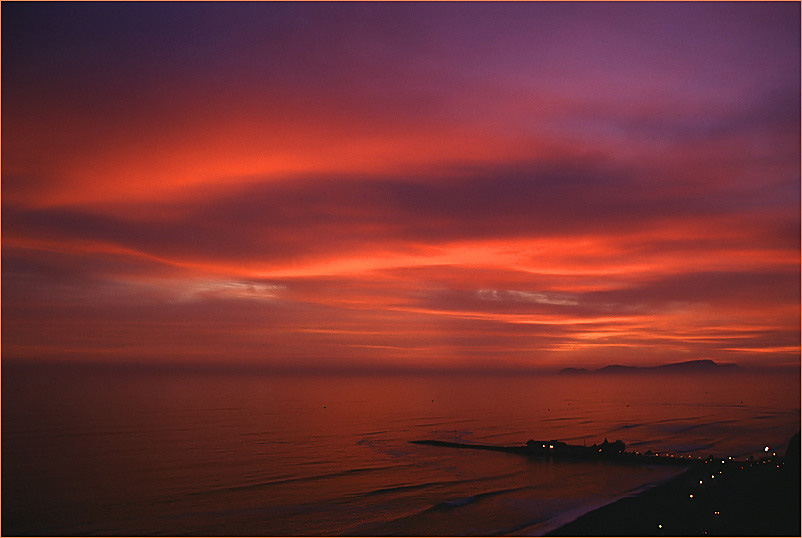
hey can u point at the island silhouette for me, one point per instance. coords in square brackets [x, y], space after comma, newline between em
[694, 366]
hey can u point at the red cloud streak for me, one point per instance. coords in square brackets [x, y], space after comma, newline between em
[513, 186]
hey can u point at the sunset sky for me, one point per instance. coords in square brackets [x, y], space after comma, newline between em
[429, 186]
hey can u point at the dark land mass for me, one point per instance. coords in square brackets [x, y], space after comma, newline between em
[712, 497]
[699, 366]
[756, 500]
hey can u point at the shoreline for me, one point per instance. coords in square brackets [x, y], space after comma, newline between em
[752, 500]
[710, 497]
[555, 525]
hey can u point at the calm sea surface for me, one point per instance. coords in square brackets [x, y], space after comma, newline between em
[137, 453]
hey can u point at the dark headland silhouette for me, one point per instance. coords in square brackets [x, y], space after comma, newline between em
[697, 366]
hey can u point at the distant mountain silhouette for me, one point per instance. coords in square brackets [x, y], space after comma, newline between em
[703, 365]
[575, 371]
[619, 369]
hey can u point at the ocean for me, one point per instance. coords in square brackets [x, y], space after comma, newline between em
[145, 452]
